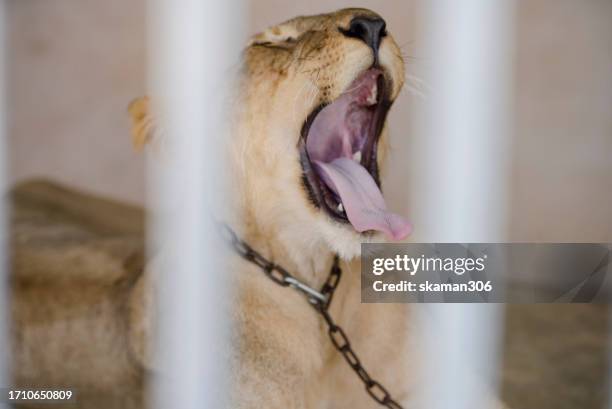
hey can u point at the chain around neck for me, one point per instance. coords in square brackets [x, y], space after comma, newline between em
[320, 300]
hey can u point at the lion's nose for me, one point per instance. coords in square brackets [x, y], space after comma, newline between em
[370, 30]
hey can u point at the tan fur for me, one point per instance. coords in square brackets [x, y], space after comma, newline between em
[283, 357]
[142, 128]
[75, 260]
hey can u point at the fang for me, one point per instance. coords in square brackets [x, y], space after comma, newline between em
[373, 94]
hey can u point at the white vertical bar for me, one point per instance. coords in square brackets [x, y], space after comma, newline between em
[461, 181]
[4, 300]
[462, 154]
[192, 45]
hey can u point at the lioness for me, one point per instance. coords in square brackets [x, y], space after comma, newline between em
[306, 154]
[307, 164]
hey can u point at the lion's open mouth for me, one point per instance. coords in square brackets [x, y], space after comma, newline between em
[338, 152]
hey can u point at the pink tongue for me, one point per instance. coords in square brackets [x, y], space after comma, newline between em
[362, 200]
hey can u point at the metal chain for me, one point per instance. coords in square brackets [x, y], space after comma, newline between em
[321, 301]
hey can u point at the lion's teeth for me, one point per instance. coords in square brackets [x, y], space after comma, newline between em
[340, 208]
[357, 156]
[373, 94]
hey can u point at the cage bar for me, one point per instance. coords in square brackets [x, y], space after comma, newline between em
[191, 45]
[460, 195]
[4, 291]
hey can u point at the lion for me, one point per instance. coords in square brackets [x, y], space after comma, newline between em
[329, 81]
[307, 166]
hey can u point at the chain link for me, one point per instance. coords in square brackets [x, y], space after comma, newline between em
[321, 302]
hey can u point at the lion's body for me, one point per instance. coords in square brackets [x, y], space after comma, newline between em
[75, 260]
[81, 305]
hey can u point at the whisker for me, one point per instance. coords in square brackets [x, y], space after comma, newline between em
[314, 92]
[416, 86]
[409, 42]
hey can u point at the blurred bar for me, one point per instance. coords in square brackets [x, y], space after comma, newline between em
[4, 301]
[192, 44]
[461, 184]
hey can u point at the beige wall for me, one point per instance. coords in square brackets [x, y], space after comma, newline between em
[563, 149]
[74, 66]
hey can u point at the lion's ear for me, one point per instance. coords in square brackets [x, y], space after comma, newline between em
[284, 33]
[143, 124]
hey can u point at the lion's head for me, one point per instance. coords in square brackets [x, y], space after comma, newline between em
[318, 91]
[314, 96]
